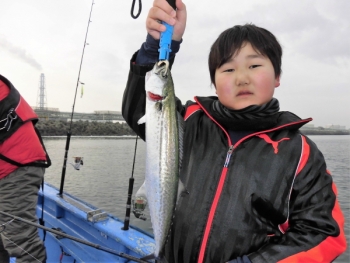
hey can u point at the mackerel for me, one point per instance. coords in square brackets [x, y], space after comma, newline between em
[163, 150]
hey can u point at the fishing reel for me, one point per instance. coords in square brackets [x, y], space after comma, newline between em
[139, 205]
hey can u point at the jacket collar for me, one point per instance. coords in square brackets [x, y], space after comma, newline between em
[286, 120]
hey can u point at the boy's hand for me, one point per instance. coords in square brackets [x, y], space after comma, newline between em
[162, 11]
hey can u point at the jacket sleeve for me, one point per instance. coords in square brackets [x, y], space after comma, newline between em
[134, 97]
[314, 231]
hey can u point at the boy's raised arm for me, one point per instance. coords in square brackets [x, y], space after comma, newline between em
[133, 104]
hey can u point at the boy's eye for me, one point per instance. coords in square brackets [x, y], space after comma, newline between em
[229, 70]
[254, 66]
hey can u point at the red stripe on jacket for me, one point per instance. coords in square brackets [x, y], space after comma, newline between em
[190, 110]
[211, 214]
[329, 248]
[305, 153]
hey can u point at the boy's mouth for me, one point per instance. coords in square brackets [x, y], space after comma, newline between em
[244, 92]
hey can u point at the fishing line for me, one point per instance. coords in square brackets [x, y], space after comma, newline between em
[69, 133]
[3, 226]
[2, 229]
[22, 249]
[90, 244]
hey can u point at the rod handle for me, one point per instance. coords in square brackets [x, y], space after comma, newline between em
[172, 3]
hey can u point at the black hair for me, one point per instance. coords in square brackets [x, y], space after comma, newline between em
[231, 41]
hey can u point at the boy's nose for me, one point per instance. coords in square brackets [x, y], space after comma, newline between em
[242, 78]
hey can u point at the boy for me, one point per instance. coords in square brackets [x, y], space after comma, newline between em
[258, 190]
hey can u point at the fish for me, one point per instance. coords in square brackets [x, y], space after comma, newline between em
[164, 131]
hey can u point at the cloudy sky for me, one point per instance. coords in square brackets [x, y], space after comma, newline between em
[41, 36]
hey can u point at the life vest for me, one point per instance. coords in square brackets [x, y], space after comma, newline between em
[14, 112]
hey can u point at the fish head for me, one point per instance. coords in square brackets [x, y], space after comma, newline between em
[157, 82]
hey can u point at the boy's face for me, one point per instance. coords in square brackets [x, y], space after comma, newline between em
[248, 78]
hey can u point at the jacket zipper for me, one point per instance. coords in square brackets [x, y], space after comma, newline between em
[214, 205]
[228, 156]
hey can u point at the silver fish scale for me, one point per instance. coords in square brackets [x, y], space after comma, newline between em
[162, 156]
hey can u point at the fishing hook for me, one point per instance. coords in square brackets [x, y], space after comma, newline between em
[133, 7]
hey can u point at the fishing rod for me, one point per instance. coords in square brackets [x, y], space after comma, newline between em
[131, 186]
[59, 233]
[69, 133]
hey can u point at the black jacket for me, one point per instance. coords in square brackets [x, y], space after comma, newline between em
[269, 196]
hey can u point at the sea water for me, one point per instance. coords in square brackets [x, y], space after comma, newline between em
[108, 161]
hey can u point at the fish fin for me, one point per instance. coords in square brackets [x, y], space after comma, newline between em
[142, 120]
[181, 190]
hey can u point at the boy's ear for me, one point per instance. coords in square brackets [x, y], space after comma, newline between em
[277, 81]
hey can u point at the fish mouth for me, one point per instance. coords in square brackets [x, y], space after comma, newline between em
[162, 68]
[154, 97]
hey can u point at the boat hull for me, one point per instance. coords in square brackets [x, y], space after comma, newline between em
[84, 221]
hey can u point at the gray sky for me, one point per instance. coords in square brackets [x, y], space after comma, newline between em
[41, 36]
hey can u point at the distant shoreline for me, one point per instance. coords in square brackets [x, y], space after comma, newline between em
[63, 137]
[87, 129]
[130, 137]
[325, 132]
